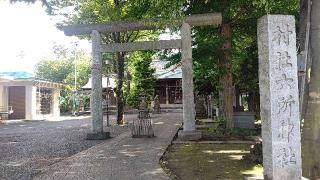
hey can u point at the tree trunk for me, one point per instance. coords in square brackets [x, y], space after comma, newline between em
[304, 49]
[311, 128]
[128, 84]
[119, 92]
[303, 18]
[226, 80]
[237, 91]
[120, 73]
[251, 101]
[256, 101]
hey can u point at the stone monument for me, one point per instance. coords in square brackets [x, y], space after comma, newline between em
[200, 106]
[143, 108]
[142, 127]
[156, 105]
[279, 97]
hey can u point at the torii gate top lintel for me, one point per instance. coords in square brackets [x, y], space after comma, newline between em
[193, 20]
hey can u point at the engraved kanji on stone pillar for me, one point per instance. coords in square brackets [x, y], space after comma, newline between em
[279, 97]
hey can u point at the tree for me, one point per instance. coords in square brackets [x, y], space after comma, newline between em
[62, 70]
[98, 11]
[311, 126]
[53, 70]
[236, 33]
[143, 79]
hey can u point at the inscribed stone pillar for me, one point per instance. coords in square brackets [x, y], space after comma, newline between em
[278, 82]
[96, 93]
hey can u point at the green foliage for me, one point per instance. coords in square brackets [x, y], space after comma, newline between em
[104, 11]
[219, 129]
[143, 79]
[242, 15]
[83, 67]
[53, 70]
[62, 70]
[242, 132]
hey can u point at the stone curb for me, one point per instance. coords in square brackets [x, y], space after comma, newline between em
[214, 142]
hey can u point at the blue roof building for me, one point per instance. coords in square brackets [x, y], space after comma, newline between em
[23, 96]
[17, 75]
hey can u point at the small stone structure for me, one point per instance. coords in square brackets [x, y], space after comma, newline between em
[201, 109]
[156, 105]
[143, 108]
[279, 97]
[244, 120]
[142, 127]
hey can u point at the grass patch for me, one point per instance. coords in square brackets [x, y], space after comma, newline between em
[210, 161]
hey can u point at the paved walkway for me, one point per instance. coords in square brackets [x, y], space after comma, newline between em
[122, 157]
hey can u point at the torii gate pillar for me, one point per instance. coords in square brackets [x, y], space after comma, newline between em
[189, 131]
[96, 94]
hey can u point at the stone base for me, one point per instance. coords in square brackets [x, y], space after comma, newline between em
[98, 136]
[262, 178]
[143, 136]
[189, 135]
[254, 178]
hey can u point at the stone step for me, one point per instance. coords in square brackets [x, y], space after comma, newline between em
[207, 120]
[172, 110]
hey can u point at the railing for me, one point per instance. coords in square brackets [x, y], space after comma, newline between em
[5, 111]
[142, 127]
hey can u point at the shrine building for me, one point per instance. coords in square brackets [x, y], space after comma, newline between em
[168, 85]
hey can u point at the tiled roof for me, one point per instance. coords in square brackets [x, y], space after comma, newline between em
[112, 83]
[166, 73]
[16, 75]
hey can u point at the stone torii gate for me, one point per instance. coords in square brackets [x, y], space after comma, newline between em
[185, 44]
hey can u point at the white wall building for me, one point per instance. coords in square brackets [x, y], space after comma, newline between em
[29, 98]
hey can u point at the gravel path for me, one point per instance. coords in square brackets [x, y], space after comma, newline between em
[26, 148]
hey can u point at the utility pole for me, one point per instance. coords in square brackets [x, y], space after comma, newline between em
[75, 80]
[107, 97]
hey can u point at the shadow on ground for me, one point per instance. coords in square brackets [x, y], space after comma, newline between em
[209, 161]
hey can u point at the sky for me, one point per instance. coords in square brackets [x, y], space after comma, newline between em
[27, 35]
